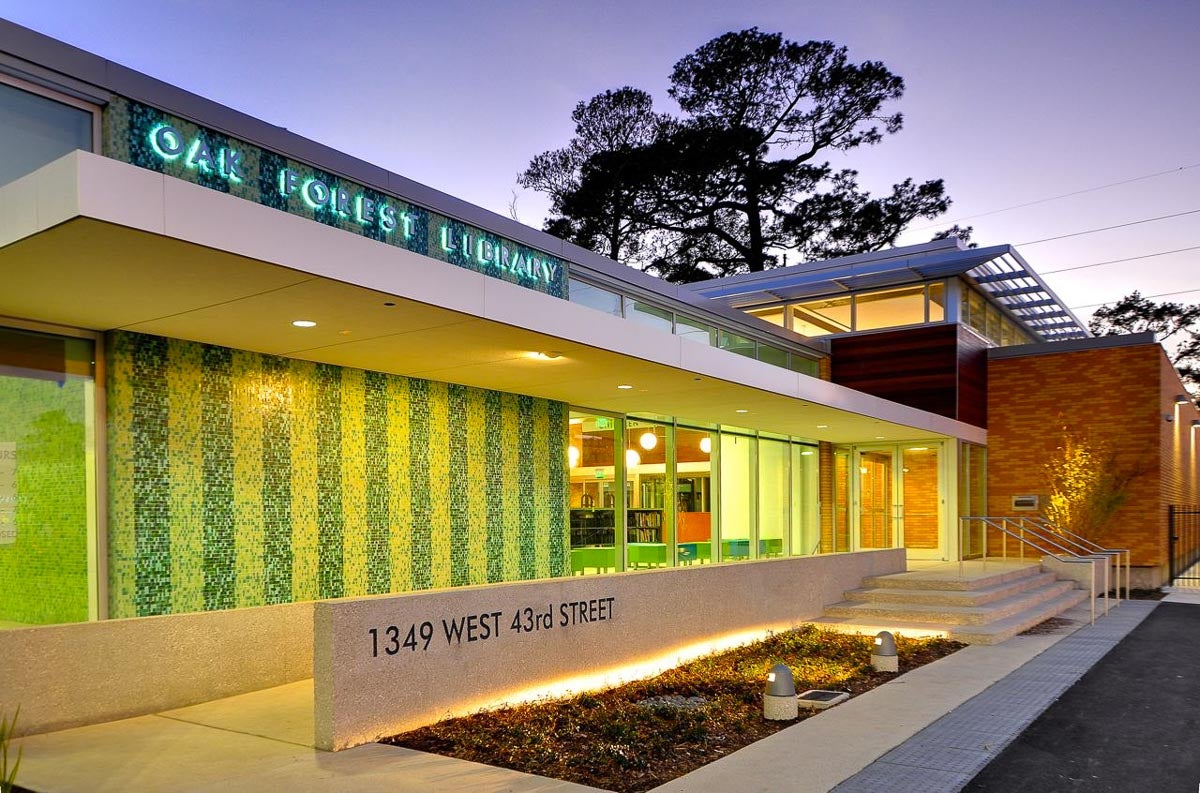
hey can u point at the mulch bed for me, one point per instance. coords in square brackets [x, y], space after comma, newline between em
[642, 734]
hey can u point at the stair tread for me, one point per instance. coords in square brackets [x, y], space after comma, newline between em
[1020, 621]
[931, 594]
[995, 605]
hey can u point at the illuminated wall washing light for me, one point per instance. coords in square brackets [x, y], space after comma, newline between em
[648, 440]
[572, 456]
[304, 323]
[548, 355]
[632, 458]
[706, 444]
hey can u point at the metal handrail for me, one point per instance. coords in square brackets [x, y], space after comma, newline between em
[1090, 545]
[1068, 557]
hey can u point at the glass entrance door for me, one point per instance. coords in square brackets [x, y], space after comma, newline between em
[898, 499]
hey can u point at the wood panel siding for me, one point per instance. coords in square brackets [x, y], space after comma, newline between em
[916, 366]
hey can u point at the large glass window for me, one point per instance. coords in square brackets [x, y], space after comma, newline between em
[805, 522]
[47, 479]
[594, 495]
[774, 315]
[649, 494]
[695, 330]
[739, 506]
[35, 130]
[774, 486]
[889, 308]
[650, 315]
[693, 494]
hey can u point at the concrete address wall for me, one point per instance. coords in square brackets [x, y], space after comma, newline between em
[386, 664]
[69, 675]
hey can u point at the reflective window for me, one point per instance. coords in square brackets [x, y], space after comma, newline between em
[649, 315]
[805, 520]
[35, 130]
[694, 330]
[772, 355]
[594, 297]
[735, 343]
[47, 479]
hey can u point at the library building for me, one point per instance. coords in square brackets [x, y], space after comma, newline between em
[263, 404]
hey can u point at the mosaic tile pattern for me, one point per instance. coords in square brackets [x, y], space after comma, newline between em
[43, 571]
[127, 137]
[241, 479]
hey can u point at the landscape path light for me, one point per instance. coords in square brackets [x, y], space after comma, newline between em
[779, 701]
[883, 656]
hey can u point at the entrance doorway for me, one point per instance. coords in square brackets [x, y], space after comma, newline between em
[896, 498]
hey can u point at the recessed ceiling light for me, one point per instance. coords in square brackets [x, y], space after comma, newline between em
[822, 426]
[344, 332]
[741, 410]
[389, 304]
[304, 323]
[624, 386]
[879, 437]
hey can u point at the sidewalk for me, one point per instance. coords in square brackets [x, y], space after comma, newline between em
[899, 737]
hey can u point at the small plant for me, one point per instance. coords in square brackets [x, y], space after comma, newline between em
[8, 775]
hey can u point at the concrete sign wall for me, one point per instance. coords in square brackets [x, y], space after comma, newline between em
[390, 663]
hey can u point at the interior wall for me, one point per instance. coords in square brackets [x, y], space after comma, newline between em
[241, 479]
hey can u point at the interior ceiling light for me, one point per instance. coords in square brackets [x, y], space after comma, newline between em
[624, 386]
[879, 437]
[741, 410]
[706, 444]
[648, 440]
[304, 323]
[632, 458]
[573, 456]
[918, 448]
[822, 426]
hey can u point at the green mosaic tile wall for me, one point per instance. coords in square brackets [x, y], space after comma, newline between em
[128, 128]
[241, 479]
[43, 571]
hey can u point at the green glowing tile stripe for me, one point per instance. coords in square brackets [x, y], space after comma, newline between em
[186, 475]
[528, 530]
[220, 571]
[494, 468]
[375, 419]
[276, 483]
[289, 480]
[459, 517]
[418, 474]
[152, 518]
[557, 488]
[329, 482]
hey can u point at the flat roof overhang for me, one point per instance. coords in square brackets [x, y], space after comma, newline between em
[91, 242]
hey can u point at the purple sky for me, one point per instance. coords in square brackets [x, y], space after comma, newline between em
[1008, 102]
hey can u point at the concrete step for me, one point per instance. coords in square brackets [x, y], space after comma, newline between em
[1002, 630]
[942, 613]
[951, 597]
[947, 578]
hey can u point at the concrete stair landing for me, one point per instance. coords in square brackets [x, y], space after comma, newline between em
[974, 603]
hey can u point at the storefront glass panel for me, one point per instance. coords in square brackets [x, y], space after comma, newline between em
[738, 501]
[47, 479]
[875, 497]
[805, 526]
[693, 495]
[649, 495]
[774, 507]
[921, 498]
[595, 502]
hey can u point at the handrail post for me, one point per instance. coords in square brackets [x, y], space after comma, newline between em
[1093, 569]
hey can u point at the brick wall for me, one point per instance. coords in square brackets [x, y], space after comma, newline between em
[1121, 394]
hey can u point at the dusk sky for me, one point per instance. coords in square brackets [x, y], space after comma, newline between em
[1010, 103]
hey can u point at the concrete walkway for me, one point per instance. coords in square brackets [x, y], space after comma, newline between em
[898, 737]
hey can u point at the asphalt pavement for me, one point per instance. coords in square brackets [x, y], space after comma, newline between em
[1131, 724]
